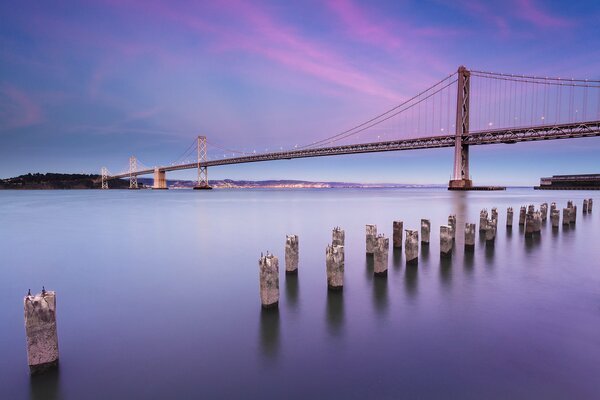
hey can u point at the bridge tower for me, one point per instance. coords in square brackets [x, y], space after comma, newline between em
[104, 174]
[460, 178]
[133, 183]
[202, 168]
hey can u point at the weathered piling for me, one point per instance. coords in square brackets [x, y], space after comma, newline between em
[509, 217]
[530, 209]
[490, 231]
[380, 264]
[446, 241]
[522, 214]
[40, 328]
[269, 280]
[555, 218]
[574, 214]
[537, 222]
[566, 216]
[334, 262]
[495, 213]
[398, 227]
[411, 247]
[590, 205]
[552, 208]
[585, 206]
[338, 236]
[569, 203]
[544, 211]
[529, 225]
[483, 219]
[371, 239]
[425, 231]
[452, 224]
[469, 237]
[291, 254]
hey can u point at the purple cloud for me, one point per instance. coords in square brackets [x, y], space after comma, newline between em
[17, 109]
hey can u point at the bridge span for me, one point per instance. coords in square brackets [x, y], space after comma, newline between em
[461, 139]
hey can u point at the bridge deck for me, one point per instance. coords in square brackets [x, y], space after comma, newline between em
[507, 135]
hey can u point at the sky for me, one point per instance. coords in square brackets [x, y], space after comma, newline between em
[87, 84]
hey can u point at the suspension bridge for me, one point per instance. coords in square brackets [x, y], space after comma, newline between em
[466, 108]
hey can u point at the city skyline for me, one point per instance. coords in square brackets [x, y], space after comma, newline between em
[85, 87]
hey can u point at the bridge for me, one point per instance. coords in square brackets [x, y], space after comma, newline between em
[503, 108]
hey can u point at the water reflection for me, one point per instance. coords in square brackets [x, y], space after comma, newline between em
[380, 294]
[397, 257]
[291, 290]
[369, 266]
[424, 252]
[469, 262]
[45, 386]
[410, 279]
[531, 242]
[335, 312]
[509, 231]
[446, 270]
[269, 332]
[489, 252]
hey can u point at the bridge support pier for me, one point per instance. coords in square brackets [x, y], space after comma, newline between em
[460, 177]
[160, 179]
[202, 168]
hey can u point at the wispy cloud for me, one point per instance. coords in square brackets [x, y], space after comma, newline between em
[529, 11]
[17, 109]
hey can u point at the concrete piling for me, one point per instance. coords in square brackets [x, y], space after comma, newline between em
[40, 328]
[483, 219]
[530, 209]
[552, 208]
[334, 262]
[522, 214]
[566, 216]
[425, 231]
[529, 225]
[452, 225]
[371, 232]
[544, 211]
[380, 265]
[469, 237]
[537, 222]
[269, 280]
[398, 227]
[338, 236]
[495, 213]
[446, 241]
[555, 218]
[411, 247]
[590, 205]
[490, 231]
[509, 217]
[291, 254]
[585, 206]
[574, 214]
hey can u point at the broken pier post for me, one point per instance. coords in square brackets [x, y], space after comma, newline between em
[411, 247]
[555, 218]
[269, 280]
[509, 217]
[380, 264]
[398, 227]
[522, 214]
[446, 241]
[338, 236]
[40, 328]
[371, 238]
[452, 224]
[291, 254]
[544, 211]
[585, 206]
[334, 263]
[425, 231]
[483, 219]
[469, 237]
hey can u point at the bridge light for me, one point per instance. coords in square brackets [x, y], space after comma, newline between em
[543, 117]
[490, 124]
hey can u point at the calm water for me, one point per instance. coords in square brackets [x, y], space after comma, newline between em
[158, 298]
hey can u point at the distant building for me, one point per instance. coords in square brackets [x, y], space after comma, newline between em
[570, 182]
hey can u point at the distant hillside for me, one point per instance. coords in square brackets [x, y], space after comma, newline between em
[58, 181]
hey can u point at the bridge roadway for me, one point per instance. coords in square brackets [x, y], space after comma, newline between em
[505, 135]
